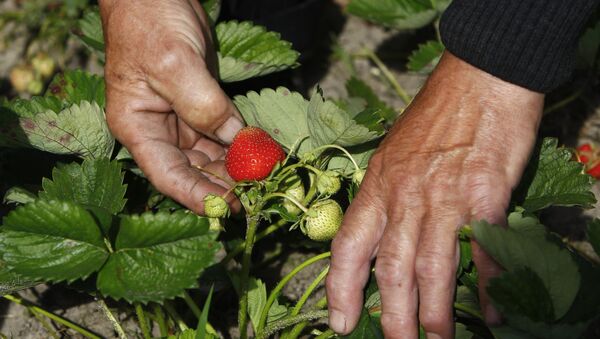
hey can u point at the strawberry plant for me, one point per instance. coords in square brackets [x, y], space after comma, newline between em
[296, 168]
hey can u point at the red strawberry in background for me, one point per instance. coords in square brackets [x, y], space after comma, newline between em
[587, 154]
[252, 154]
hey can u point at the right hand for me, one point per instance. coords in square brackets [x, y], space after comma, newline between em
[164, 103]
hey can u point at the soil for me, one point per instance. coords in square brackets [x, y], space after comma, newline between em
[574, 124]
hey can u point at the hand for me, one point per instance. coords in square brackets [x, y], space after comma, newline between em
[163, 101]
[454, 156]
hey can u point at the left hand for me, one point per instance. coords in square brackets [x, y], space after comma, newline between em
[454, 156]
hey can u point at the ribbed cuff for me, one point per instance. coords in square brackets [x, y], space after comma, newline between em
[531, 43]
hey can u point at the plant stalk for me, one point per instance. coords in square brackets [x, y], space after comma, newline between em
[289, 321]
[112, 319]
[175, 316]
[52, 316]
[309, 291]
[468, 310]
[160, 319]
[388, 75]
[246, 261]
[139, 311]
[282, 283]
[325, 334]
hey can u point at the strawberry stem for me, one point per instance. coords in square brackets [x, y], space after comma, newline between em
[252, 220]
[288, 197]
[280, 286]
[348, 155]
[204, 170]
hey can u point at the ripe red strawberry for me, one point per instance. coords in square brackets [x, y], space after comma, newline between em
[584, 152]
[594, 171]
[252, 155]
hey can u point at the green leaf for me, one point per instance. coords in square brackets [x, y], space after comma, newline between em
[157, 256]
[76, 86]
[368, 327]
[78, 130]
[425, 58]
[371, 118]
[521, 292]
[201, 328]
[11, 282]
[593, 234]
[399, 14]
[52, 241]
[21, 108]
[280, 112]
[18, 195]
[544, 330]
[466, 297]
[212, 9]
[358, 88]
[95, 182]
[257, 300]
[528, 246]
[90, 32]
[247, 50]
[554, 178]
[328, 124]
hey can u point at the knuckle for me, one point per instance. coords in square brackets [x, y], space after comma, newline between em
[430, 268]
[434, 320]
[174, 56]
[387, 270]
[394, 324]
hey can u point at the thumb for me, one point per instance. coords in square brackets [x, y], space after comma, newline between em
[183, 79]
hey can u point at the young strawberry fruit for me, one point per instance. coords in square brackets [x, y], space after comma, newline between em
[323, 220]
[215, 206]
[252, 155]
[296, 192]
[328, 182]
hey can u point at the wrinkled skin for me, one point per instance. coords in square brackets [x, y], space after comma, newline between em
[163, 101]
[454, 156]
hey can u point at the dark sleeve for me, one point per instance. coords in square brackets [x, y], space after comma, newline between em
[531, 43]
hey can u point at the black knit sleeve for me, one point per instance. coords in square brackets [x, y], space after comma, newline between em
[531, 43]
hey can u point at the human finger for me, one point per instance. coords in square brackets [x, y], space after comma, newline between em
[352, 251]
[395, 272]
[182, 78]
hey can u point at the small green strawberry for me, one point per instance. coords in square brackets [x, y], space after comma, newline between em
[43, 64]
[328, 182]
[357, 176]
[215, 206]
[296, 192]
[323, 220]
[21, 77]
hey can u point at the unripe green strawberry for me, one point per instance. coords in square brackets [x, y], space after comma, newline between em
[323, 220]
[35, 87]
[252, 155]
[215, 206]
[215, 224]
[357, 176]
[21, 77]
[328, 182]
[296, 192]
[43, 64]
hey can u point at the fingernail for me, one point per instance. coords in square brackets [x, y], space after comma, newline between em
[492, 317]
[431, 335]
[229, 129]
[337, 321]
